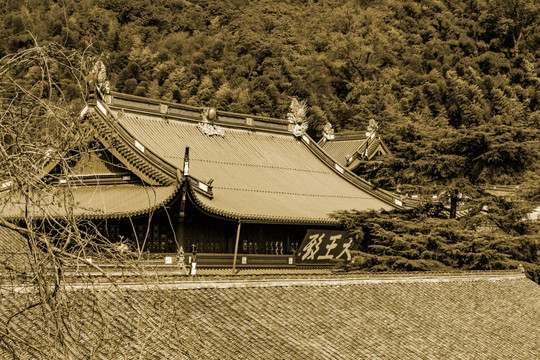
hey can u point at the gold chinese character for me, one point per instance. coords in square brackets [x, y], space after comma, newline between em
[312, 247]
[329, 248]
[346, 250]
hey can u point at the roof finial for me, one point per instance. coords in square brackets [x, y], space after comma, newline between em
[328, 131]
[372, 128]
[297, 116]
[99, 75]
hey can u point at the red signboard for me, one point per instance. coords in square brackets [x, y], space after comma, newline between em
[323, 246]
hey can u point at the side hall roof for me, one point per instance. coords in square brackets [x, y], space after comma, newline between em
[257, 171]
[347, 150]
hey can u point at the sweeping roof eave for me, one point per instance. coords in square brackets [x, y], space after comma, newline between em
[100, 202]
[254, 218]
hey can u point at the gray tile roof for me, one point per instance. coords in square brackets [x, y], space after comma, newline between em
[348, 150]
[14, 253]
[467, 317]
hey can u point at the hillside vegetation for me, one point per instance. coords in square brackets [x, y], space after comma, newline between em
[454, 85]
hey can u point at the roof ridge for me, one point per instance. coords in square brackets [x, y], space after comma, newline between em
[190, 113]
[353, 136]
[151, 168]
[144, 284]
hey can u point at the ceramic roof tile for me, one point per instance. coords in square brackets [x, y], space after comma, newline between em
[404, 318]
[14, 252]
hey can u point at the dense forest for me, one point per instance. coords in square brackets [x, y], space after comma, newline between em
[454, 85]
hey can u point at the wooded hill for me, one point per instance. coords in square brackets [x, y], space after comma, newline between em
[454, 85]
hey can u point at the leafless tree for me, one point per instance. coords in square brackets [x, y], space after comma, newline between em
[42, 90]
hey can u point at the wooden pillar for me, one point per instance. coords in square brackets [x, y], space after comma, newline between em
[236, 246]
[179, 229]
[179, 234]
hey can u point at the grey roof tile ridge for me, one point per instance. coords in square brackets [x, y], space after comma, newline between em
[144, 285]
[138, 106]
[348, 137]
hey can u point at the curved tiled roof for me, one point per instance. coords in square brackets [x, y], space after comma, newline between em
[258, 171]
[341, 150]
[259, 175]
[347, 148]
[96, 201]
[492, 317]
